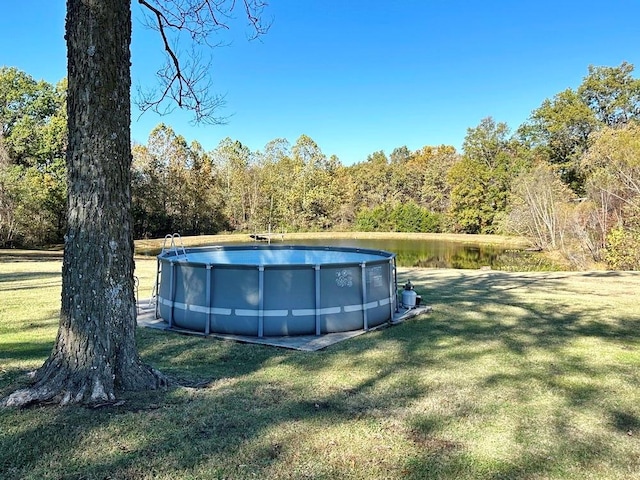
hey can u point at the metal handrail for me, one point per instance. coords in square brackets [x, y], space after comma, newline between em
[176, 245]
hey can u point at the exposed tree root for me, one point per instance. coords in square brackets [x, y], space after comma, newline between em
[65, 387]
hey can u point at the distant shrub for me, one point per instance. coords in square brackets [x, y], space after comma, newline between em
[623, 249]
[400, 217]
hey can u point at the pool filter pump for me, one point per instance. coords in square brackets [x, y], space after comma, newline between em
[409, 296]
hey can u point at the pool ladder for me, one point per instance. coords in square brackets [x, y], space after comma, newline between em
[176, 246]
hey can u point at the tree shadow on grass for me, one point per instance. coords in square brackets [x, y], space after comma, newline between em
[533, 322]
[51, 279]
[416, 397]
[8, 255]
[32, 350]
[626, 422]
[239, 425]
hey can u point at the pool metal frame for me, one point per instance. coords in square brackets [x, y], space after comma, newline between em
[178, 312]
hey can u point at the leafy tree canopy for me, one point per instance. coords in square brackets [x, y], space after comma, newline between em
[32, 118]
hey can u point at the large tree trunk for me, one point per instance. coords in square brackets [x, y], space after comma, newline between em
[95, 355]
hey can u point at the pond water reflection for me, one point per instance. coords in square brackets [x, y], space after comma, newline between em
[433, 253]
[429, 253]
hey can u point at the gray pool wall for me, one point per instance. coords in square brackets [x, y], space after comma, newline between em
[272, 299]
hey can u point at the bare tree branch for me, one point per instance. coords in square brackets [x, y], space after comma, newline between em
[186, 82]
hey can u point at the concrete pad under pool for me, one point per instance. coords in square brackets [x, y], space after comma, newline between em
[309, 343]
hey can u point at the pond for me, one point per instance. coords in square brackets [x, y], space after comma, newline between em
[436, 253]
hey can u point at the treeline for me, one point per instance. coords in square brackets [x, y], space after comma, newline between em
[179, 187]
[33, 139]
[568, 178]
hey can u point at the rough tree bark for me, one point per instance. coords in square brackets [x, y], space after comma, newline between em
[95, 355]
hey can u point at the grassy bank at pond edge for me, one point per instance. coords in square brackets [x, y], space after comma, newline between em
[513, 375]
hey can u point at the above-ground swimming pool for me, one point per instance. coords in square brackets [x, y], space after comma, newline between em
[266, 290]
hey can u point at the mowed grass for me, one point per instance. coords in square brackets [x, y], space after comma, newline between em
[512, 376]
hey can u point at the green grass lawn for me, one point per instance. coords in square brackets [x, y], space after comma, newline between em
[512, 376]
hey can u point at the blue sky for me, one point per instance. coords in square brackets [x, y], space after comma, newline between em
[360, 76]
